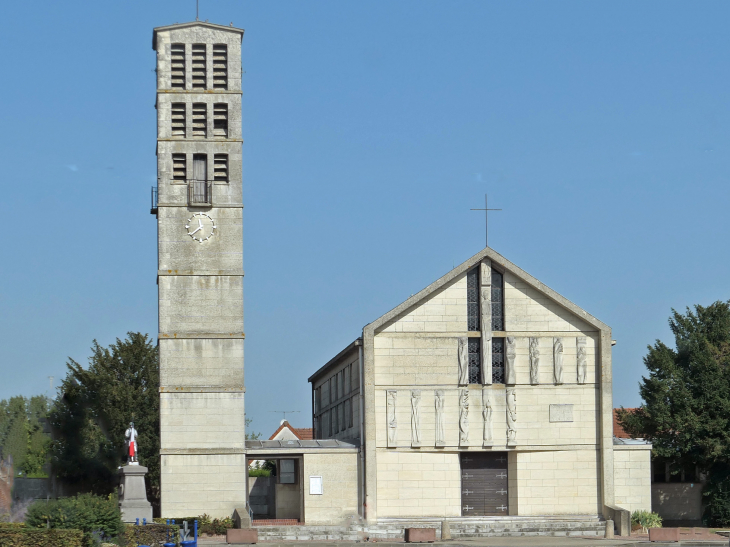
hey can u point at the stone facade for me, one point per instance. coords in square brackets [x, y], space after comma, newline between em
[549, 411]
[632, 476]
[202, 427]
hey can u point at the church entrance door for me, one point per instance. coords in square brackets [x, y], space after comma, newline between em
[484, 484]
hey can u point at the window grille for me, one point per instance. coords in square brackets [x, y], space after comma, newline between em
[497, 300]
[179, 167]
[497, 358]
[177, 66]
[199, 67]
[472, 299]
[220, 120]
[220, 66]
[475, 361]
[200, 120]
[177, 119]
[220, 167]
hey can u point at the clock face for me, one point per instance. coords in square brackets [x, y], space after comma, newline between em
[200, 227]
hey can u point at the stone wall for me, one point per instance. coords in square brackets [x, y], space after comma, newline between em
[632, 476]
[339, 499]
[677, 500]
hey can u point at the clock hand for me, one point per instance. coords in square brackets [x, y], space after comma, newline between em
[197, 230]
[200, 223]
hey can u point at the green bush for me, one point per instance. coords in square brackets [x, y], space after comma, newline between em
[646, 520]
[259, 472]
[12, 525]
[29, 537]
[717, 497]
[85, 512]
[150, 534]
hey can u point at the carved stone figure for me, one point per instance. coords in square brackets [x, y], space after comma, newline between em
[511, 416]
[416, 417]
[487, 416]
[130, 437]
[558, 360]
[582, 359]
[510, 375]
[534, 361]
[464, 417]
[391, 397]
[486, 307]
[463, 360]
[485, 275]
[440, 440]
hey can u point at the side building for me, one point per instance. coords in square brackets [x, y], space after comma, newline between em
[486, 394]
[199, 210]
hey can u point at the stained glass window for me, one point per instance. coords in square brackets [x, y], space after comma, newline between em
[497, 359]
[475, 361]
[472, 299]
[497, 300]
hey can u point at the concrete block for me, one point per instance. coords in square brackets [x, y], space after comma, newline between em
[242, 535]
[420, 535]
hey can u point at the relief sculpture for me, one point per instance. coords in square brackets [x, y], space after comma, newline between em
[558, 360]
[510, 374]
[416, 418]
[582, 359]
[464, 417]
[391, 397]
[440, 440]
[511, 416]
[487, 415]
[485, 303]
[463, 360]
[534, 361]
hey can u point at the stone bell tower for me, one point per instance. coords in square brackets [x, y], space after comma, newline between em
[200, 269]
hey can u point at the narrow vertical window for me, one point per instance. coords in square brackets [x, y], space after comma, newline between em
[347, 379]
[335, 423]
[475, 361]
[200, 120]
[179, 167]
[472, 299]
[497, 358]
[177, 66]
[177, 119]
[350, 403]
[220, 167]
[199, 67]
[220, 120]
[497, 300]
[341, 413]
[220, 66]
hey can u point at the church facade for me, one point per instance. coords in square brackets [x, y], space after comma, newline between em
[485, 394]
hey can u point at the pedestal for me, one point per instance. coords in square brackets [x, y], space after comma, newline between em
[133, 495]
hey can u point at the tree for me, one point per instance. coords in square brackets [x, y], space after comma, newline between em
[21, 433]
[686, 410]
[89, 418]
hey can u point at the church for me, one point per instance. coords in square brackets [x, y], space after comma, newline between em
[486, 395]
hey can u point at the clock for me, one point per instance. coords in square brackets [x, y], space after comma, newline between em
[200, 227]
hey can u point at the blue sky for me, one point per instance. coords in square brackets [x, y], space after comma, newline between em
[371, 128]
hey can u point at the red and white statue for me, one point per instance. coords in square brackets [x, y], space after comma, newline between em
[130, 435]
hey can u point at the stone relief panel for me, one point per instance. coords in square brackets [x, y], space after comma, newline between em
[464, 417]
[463, 360]
[485, 303]
[439, 402]
[582, 359]
[534, 361]
[510, 375]
[558, 360]
[416, 418]
[487, 416]
[391, 398]
[511, 416]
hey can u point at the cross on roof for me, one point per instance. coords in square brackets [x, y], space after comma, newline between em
[486, 219]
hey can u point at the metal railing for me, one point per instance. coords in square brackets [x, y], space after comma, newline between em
[200, 192]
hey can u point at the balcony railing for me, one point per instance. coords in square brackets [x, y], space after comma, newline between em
[200, 192]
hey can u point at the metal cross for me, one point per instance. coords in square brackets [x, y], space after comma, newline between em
[486, 220]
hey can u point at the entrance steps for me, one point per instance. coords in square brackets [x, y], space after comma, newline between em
[393, 529]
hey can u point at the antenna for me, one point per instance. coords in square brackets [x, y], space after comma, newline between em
[285, 412]
[197, 10]
[50, 382]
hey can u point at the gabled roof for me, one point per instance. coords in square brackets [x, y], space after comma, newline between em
[500, 261]
[618, 430]
[194, 24]
[301, 433]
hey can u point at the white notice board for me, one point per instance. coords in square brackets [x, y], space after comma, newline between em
[315, 485]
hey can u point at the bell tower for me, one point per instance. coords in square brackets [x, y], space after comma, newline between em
[199, 211]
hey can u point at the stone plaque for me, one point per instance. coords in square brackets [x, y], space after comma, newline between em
[561, 413]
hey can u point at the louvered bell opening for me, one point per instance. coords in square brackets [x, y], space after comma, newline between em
[178, 119]
[200, 121]
[220, 120]
[178, 167]
[220, 167]
[220, 66]
[177, 66]
[198, 66]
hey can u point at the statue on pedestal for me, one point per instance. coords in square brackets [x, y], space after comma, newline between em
[132, 492]
[130, 436]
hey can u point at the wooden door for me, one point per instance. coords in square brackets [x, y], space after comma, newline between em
[484, 484]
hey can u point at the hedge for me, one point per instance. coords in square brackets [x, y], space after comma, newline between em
[30, 537]
[149, 534]
[206, 525]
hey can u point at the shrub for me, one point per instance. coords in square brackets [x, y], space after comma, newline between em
[646, 520]
[259, 472]
[29, 537]
[85, 512]
[150, 534]
[216, 527]
[717, 497]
